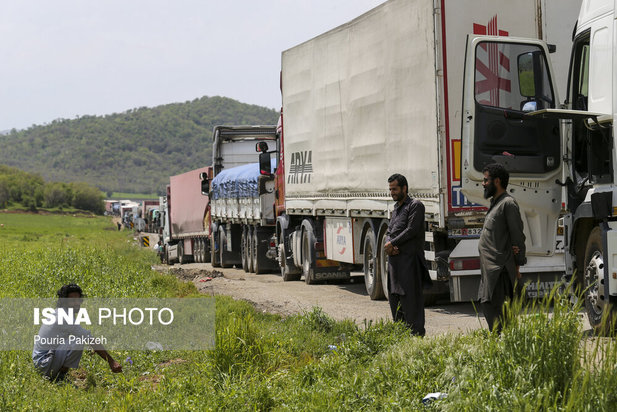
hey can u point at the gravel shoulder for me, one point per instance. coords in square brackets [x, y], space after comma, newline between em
[341, 300]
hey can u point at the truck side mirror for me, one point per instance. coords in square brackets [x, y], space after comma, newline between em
[264, 164]
[526, 75]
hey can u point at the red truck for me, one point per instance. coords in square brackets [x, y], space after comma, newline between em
[186, 235]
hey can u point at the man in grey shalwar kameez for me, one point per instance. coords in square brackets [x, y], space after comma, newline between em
[407, 272]
[501, 246]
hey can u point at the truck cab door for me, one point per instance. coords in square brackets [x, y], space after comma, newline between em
[505, 79]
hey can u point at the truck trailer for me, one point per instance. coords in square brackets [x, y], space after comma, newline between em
[381, 95]
[187, 234]
[562, 155]
[242, 218]
[241, 195]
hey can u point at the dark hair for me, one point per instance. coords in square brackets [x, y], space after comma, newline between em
[65, 290]
[496, 170]
[400, 180]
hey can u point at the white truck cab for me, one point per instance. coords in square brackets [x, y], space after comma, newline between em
[560, 157]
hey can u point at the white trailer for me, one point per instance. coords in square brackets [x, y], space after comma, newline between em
[381, 95]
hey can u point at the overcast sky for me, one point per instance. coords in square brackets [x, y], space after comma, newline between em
[68, 58]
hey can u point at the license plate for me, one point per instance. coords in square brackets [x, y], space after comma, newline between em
[465, 232]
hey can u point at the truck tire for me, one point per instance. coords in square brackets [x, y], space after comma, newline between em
[288, 273]
[222, 253]
[245, 249]
[197, 250]
[382, 261]
[181, 259]
[206, 252]
[595, 301]
[203, 256]
[308, 253]
[201, 251]
[249, 249]
[261, 262]
[372, 274]
[214, 252]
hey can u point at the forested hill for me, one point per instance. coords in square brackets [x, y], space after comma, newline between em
[135, 151]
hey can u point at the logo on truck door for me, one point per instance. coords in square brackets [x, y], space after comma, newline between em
[493, 67]
[491, 87]
[301, 167]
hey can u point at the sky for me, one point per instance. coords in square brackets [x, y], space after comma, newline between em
[69, 58]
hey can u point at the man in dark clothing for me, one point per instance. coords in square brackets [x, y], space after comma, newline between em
[404, 245]
[501, 246]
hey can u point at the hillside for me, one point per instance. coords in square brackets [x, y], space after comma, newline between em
[135, 151]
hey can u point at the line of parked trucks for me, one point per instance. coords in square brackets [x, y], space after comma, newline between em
[381, 95]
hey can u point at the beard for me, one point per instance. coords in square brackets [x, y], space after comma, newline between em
[489, 190]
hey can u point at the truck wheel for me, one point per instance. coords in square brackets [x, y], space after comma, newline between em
[214, 253]
[244, 248]
[222, 253]
[253, 249]
[372, 276]
[202, 248]
[180, 249]
[197, 251]
[262, 264]
[249, 249]
[206, 252]
[382, 262]
[308, 266]
[287, 273]
[596, 303]
[203, 255]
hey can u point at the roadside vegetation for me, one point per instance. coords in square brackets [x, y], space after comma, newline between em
[542, 361]
[20, 190]
[132, 196]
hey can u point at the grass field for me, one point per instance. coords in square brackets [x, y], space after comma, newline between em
[261, 361]
[134, 196]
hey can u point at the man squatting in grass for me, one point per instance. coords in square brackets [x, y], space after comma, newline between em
[54, 361]
[501, 246]
[407, 272]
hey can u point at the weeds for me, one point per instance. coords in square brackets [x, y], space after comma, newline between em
[541, 361]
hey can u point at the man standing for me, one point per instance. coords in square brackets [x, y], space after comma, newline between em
[54, 360]
[501, 247]
[406, 264]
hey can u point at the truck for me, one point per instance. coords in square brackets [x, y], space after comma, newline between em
[147, 208]
[563, 153]
[381, 95]
[242, 214]
[186, 236]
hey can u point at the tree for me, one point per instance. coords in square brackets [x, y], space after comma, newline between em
[86, 197]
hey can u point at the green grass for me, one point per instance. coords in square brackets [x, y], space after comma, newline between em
[139, 196]
[542, 361]
[18, 207]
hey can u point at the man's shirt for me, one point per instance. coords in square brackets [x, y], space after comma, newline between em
[55, 337]
[406, 228]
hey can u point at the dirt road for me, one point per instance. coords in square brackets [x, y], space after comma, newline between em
[340, 300]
